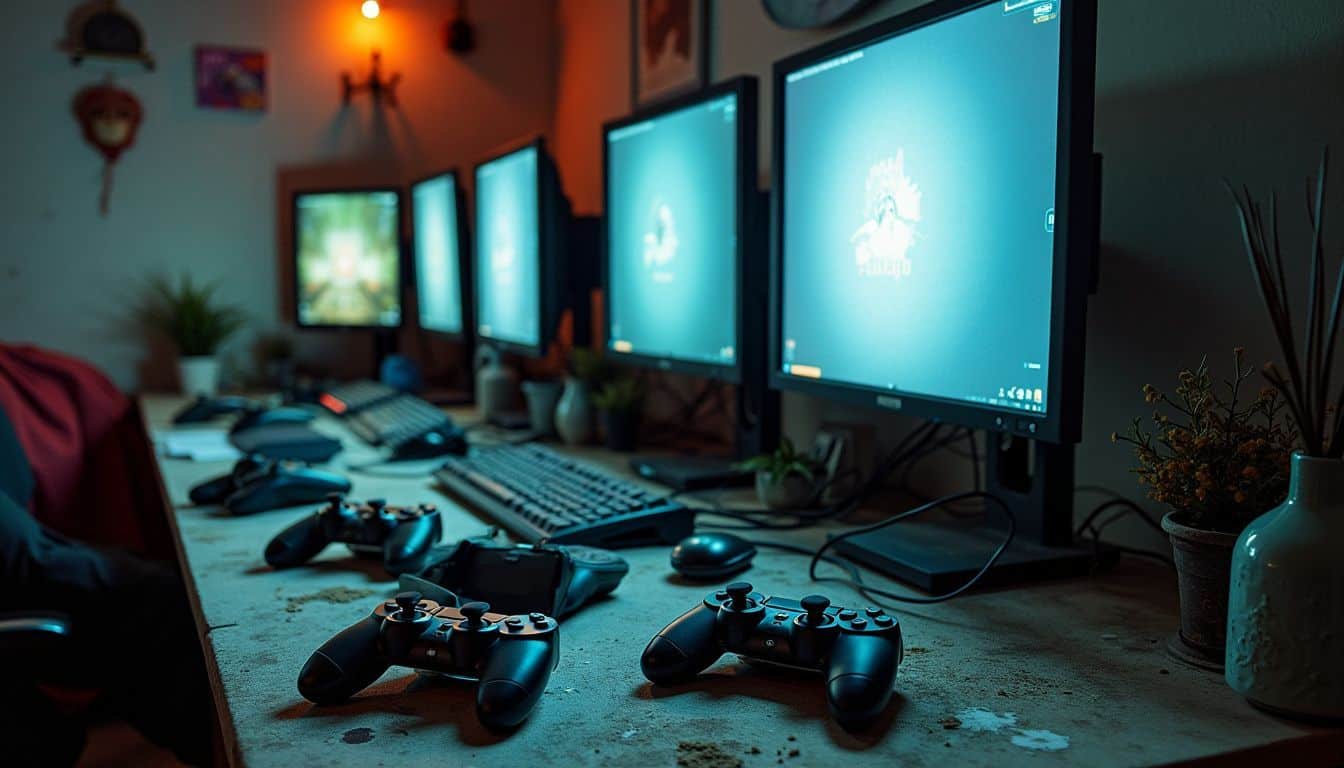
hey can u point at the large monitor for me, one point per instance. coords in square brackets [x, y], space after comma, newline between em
[347, 258]
[934, 194]
[678, 189]
[438, 248]
[520, 245]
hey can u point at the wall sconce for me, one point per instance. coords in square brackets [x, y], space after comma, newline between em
[459, 36]
[376, 86]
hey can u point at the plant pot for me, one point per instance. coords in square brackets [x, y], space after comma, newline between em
[1203, 565]
[542, 398]
[574, 412]
[1285, 629]
[620, 429]
[198, 375]
[792, 492]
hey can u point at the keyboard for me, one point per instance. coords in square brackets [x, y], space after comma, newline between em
[411, 427]
[541, 496]
[355, 396]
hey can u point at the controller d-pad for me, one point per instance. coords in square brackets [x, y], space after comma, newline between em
[848, 615]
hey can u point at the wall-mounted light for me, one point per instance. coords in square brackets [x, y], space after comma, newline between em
[370, 9]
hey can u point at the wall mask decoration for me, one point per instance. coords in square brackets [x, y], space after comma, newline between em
[99, 28]
[109, 117]
[668, 48]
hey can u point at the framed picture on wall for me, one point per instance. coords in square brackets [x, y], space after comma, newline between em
[230, 78]
[669, 47]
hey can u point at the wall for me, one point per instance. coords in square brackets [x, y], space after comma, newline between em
[198, 191]
[1187, 93]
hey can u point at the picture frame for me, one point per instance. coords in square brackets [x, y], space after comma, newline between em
[230, 78]
[669, 48]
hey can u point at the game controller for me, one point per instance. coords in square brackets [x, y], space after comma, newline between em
[256, 484]
[205, 408]
[509, 657]
[857, 650]
[518, 578]
[401, 536]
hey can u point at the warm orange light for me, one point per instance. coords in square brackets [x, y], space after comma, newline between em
[370, 9]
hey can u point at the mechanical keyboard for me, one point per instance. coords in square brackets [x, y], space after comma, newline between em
[411, 427]
[541, 496]
[355, 396]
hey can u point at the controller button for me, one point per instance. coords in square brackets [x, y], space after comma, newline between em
[542, 623]
[859, 623]
[444, 627]
[513, 622]
[883, 621]
[738, 592]
[390, 605]
[720, 596]
[537, 617]
[781, 616]
[847, 615]
[376, 504]
[873, 612]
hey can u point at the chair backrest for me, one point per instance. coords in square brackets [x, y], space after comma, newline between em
[16, 473]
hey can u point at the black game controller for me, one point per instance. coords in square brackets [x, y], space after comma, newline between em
[205, 408]
[401, 536]
[552, 578]
[858, 651]
[510, 657]
[256, 484]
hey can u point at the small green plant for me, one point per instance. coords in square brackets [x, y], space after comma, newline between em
[590, 366]
[623, 395]
[784, 461]
[187, 314]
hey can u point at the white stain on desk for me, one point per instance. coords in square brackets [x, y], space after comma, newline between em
[981, 720]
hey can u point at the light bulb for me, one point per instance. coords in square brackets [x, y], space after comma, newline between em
[370, 9]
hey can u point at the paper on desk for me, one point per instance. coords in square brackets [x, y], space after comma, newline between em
[197, 445]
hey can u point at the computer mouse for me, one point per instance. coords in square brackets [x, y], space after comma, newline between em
[712, 556]
[262, 417]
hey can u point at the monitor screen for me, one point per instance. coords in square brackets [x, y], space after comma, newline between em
[508, 257]
[347, 258]
[672, 240]
[917, 245]
[437, 278]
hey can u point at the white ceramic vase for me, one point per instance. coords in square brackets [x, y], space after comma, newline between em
[1285, 617]
[199, 375]
[574, 412]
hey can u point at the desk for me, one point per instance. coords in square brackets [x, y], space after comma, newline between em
[1078, 663]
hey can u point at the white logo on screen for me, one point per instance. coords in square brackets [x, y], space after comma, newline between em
[660, 244]
[882, 243]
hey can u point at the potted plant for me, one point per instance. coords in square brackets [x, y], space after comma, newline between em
[785, 479]
[587, 370]
[1217, 459]
[187, 314]
[1285, 623]
[621, 402]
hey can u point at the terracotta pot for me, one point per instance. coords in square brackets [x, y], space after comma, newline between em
[1203, 571]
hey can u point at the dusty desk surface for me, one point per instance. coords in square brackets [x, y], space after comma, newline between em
[1063, 673]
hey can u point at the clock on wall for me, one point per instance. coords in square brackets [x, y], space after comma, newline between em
[811, 14]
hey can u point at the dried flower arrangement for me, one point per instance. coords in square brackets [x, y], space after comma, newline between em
[1218, 460]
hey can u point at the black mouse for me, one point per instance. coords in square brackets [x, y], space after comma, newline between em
[264, 416]
[712, 556]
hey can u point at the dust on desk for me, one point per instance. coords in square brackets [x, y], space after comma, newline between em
[702, 754]
[329, 595]
[358, 736]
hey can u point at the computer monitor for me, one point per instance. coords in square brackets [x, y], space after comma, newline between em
[438, 248]
[679, 183]
[520, 250]
[347, 258]
[935, 229]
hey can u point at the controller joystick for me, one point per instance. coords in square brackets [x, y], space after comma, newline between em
[739, 593]
[511, 664]
[402, 540]
[473, 614]
[815, 606]
[858, 654]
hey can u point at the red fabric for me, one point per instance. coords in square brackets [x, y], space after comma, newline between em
[75, 427]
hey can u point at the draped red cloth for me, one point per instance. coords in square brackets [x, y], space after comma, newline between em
[87, 449]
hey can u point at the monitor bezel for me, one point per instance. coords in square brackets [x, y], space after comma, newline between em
[546, 274]
[402, 269]
[1074, 234]
[464, 254]
[745, 89]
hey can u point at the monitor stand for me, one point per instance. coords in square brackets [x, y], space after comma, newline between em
[1036, 481]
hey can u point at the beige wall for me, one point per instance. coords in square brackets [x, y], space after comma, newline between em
[1187, 92]
[198, 191]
